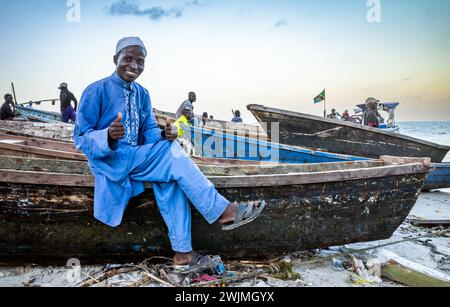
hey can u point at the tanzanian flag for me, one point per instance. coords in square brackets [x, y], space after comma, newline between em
[320, 97]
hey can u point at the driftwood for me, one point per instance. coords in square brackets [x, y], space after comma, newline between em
[410, 273]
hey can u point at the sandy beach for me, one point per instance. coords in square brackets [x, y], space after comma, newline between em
[430, 251]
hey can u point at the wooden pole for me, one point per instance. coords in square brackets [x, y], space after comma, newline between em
[14, 93]
[325, 108]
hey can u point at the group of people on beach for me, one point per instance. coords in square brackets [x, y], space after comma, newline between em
[344, 117]
[371, 116]
[185, 115]
[68, 112]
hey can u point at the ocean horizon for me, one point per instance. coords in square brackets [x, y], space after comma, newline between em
[432, 131]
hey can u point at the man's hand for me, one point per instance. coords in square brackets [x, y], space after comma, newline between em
[117, 131]
[171, 131]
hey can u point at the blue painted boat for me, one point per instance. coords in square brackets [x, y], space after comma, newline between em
[439, 177]
[210, 143]
[216, 144]
[39, 115]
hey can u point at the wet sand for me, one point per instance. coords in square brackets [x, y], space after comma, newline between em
[433, 253]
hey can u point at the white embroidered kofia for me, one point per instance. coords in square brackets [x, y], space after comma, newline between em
[132, 118]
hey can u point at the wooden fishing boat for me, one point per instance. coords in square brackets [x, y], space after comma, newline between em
[439, 177]
[39, 115]
[216, 144]
[342, 137]
[46, 210]
[243, 150]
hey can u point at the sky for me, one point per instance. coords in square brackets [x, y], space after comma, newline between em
[278, 53]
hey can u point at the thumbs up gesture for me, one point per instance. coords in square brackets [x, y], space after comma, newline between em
[116, 129]
[171, 131]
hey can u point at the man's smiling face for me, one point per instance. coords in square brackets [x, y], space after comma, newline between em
[130, 63]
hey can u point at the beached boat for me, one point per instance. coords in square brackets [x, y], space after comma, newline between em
[216, 144]
[38, 115]
[46, 210]
[242, 150]
[342, 137]
[439, 177]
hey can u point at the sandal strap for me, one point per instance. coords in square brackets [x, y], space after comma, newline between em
[244, 212]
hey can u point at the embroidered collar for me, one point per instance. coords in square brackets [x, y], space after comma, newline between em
[119, 81]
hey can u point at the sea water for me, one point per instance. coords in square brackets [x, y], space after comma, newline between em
[436, 132]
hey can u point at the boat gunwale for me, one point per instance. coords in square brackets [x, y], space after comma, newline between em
[241, 181]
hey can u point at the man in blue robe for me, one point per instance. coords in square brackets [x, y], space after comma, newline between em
[117, 131]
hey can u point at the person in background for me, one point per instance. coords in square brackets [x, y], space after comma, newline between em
[237, 117]
[211, 117]
[345, 116]
[371, 117]
[7, 110]
[188, 103]
[184, 121]
[66, 97]
[391, 117]
[205, 118]
[334, 114]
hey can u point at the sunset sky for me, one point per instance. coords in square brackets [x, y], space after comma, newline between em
[278, 53]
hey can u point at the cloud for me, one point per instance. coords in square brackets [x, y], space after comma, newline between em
[407, 79]
[156, 13]
[430, 11]
[280, 23]
[195, 3]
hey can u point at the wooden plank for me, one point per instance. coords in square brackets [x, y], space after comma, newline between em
[410, 273]
[431, 223]
[9, 141]
[43, 178]
[210, 167]
[317, 177]
[4, 131]
[40, 142]
[402, 160]
[42, 152]
[44, 165]
[59, 179]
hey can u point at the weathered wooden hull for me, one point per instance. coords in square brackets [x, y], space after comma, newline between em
[341, 137]
[46, 217]
[257, 150]
[57, 131]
